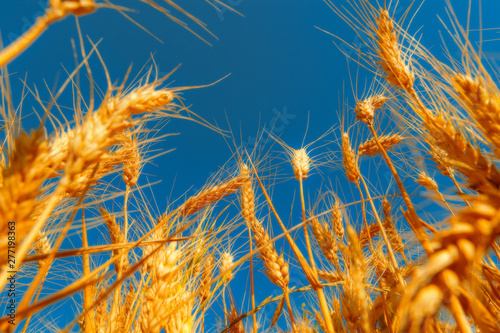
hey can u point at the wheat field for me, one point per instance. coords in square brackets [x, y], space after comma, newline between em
[89, 245]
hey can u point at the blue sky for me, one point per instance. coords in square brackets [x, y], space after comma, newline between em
[279, 62]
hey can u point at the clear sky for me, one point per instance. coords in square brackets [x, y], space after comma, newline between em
[279, 61]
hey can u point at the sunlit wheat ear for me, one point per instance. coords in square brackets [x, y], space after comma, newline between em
[212, 194]
[117, 237]
[371, 148]
[23, 178]
[365, 109]
[355, 305]
[247, 196]
[126, 312]
[329, 276]
[75, 7]
[482, 101]
[392, 62]
[101, 312]
[326, 240]
[426, 181]
[206, 278]
[277, 267]
[440, 157]
[304, 327]
[482, 175]
[368, 233]
[57, 10]
[392, 232]
[350, 160]
[337, 221]
[300, 163]
[41, 246]
[458, 248]
[95, 172]
[226, 269]
[167, 301]
[131, 161]
[319, 320]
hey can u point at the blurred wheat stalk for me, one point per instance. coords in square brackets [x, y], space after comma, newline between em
[364, 271]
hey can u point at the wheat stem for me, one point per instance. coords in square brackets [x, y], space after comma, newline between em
[87, 291]
[306, 233]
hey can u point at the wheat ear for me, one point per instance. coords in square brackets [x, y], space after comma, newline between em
[350, 160]
[392, 62]
[212, 194]
[371, 148]
[326, 240]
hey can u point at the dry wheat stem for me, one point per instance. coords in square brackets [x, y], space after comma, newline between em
[306, 233]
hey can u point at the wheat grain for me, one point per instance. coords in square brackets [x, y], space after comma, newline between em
[329, 276]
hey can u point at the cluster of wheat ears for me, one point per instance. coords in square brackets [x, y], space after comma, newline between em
[376, 264]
